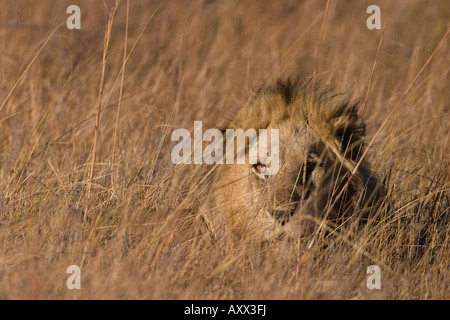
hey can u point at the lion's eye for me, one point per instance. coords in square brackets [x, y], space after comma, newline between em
[261, 170]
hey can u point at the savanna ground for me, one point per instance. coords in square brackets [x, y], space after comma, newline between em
[197, 60]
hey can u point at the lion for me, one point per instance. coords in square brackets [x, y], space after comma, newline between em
[321, 141]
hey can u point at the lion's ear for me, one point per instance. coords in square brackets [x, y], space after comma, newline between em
[350, 131]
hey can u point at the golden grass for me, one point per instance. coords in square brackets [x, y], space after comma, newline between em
[196, 60]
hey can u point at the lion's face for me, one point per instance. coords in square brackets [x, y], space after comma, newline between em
[301, 171]
[302, 184]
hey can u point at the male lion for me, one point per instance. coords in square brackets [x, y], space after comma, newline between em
[320, 143]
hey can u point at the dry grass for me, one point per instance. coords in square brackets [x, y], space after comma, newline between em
[194, 61]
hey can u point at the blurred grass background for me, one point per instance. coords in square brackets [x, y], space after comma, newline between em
[197, 60]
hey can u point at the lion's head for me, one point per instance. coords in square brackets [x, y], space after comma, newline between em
[320, 143]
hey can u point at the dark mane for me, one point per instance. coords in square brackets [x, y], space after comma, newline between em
[286, 89]
[290, 88]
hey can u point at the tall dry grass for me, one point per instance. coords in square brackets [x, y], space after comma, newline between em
[196, 60]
